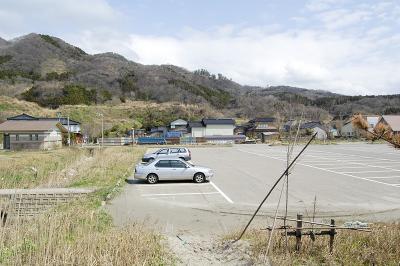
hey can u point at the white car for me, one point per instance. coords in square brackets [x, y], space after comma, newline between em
[166, 153]
[172, 169]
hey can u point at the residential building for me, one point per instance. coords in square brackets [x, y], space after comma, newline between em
[31, 134]
[257, 127]
[313, 127]
[212, 127]
[71, 125]
[178, 125]
[391, 122]
[372, 121]
[348, 130]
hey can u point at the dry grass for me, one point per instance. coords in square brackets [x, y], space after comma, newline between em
[78, 234]
[359, 122]
[17, 169]
[67, 167]
[381, 247]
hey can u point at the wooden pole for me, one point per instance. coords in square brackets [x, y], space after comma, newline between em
[332, 236]
[299, 225]
[273, 187]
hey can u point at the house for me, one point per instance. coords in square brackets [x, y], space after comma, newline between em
[158, 131]
[239, 130]
[258, 126]
[391, 123]
[348, 130]
[290, 125]
[312, 127]
[212, 127]
[372, 120]
[31, 134]
[178, 125]
[71, 125]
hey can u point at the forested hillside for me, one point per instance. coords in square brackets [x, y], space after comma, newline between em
[48, 71]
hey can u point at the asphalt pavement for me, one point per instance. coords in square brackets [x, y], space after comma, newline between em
[346, 181]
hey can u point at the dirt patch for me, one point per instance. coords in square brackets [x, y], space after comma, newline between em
[195, 250]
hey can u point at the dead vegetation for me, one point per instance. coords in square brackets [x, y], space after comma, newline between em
[79, 234]
[380, 247]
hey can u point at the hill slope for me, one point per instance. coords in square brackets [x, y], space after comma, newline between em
[51, 72]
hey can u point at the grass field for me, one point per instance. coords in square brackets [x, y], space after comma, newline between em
[379, 247]
[79, 233]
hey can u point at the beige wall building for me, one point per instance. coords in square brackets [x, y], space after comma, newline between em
[33, 134]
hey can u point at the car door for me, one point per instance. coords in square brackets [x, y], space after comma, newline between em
[180, 170]
[163, 169]
[162, 153]
[174, 152]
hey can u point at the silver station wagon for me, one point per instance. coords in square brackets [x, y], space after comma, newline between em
[172, 169]
[183, 153]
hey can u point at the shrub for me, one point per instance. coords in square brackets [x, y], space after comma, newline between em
[50, 40]
[5, 58]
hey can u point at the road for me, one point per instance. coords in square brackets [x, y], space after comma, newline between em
[349, 181]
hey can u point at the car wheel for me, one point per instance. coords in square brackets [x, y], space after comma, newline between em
[152, 178]
[199, 178]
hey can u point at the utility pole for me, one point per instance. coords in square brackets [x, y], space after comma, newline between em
[133, 136]
[102, 128]
[69, 135]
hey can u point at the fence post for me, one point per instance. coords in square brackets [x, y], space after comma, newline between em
[332, 235]
[299, 225]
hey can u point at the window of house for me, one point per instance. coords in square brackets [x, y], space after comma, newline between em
[36, 137]
[30, 137]
[17, 137]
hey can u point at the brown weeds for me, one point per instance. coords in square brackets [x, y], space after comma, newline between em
[380, 247]
[79, 235]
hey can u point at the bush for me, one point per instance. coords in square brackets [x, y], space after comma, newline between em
[50, 40]
[216, 97]
[76, 94]
[71, 94]
[5, 58]
[56, 76]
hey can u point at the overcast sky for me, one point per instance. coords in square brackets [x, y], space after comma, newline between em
[344, 46]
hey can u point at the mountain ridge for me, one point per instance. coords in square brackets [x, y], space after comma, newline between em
[51, 72]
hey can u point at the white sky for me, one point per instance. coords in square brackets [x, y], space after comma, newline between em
[344, 46]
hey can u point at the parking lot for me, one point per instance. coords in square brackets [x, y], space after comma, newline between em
[349, 181]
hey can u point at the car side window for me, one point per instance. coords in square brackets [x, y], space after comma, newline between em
[162, 151]
[177, 164]
[174, 150]
[163, 164]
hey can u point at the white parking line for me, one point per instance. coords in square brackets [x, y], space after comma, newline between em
[324, 169]
[347, 167]
[169, 184]
[179, 194]
[222, 193]
[361, 172]
[384, 177]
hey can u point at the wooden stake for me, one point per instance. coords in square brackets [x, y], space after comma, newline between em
[299, 225]
[332, 236]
